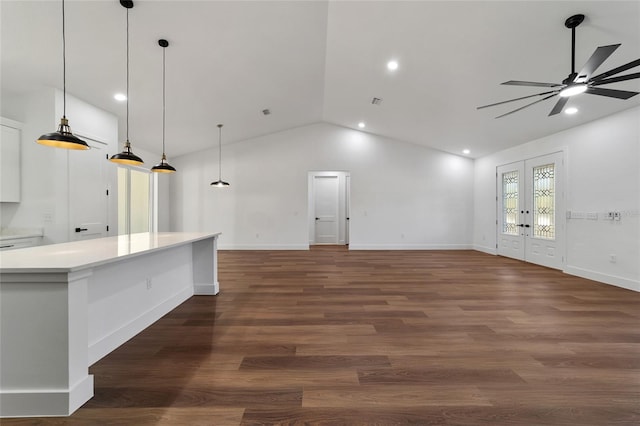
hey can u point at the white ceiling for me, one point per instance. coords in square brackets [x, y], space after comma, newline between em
[312, 61]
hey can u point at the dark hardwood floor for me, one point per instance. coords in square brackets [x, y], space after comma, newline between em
[334, 337]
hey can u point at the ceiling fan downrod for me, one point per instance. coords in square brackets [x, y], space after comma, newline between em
[572, 22]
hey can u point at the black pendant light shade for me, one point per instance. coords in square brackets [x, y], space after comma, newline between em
[163, 166]
[63, 138]
[127, 156]
[220, 183]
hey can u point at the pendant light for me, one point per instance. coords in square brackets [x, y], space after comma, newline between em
[63, 138]
[220, 182]
[127, 156]
[163, 167]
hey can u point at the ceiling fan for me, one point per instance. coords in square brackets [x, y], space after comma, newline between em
[582, 82]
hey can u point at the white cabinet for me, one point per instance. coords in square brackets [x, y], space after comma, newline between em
[16, 243]
[10, 161]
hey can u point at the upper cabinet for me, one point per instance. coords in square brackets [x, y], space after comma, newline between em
[10, 160]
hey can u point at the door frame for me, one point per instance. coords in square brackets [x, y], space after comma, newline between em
[93, 141]
[344, 180]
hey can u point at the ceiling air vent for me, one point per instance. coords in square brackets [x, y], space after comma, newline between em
[266, 111]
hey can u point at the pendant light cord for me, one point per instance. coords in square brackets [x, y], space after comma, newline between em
[219, 152]
[164, 85]
[127, 75]
[64, 68]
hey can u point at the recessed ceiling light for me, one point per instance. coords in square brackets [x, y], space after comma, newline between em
[120, 97]
[361, 125]
[466, 151]
[392, 65]
[571, 110]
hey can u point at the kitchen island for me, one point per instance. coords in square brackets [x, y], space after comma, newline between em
[65, 306]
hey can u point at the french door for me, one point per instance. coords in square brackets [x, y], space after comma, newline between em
[531, 210]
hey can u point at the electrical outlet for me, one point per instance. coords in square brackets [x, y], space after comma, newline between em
[610, 215]
[616, 215]
[613, 258]
[149, 284]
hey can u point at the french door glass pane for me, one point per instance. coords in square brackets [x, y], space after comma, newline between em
[139, 202]
[544, 198]
[123, 201]
[510, 203]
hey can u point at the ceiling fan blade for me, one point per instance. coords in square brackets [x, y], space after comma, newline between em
[517, 99]
[616, 79]
[599, 56]
[530, 83]
[617, 70]
[559, 106]
[526, 106]
[611, 93]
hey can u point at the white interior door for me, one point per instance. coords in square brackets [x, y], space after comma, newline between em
[326, 197]
[347, 208]
[88, 206]
[531, 210]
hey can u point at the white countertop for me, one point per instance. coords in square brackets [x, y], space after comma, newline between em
[73, 256]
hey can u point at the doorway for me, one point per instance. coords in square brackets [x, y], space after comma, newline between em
[136, 200]
[531, 210]
[329, 208]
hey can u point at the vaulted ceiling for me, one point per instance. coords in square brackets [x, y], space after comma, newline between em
[313, 61]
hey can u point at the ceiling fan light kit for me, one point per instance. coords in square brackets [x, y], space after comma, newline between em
[578, 82]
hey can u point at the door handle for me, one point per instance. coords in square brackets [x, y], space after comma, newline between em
[521, 225]
[317, 218]
[527, 226]
[81, 229]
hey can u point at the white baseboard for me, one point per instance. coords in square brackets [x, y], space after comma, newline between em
[263, 246]
[46, 403]
[485, 249]
[603, 278]
[206, 289]
[108, 343]
[357, 246]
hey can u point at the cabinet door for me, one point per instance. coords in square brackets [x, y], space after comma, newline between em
[10, 164]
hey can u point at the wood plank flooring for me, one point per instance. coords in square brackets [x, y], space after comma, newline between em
[337, 337]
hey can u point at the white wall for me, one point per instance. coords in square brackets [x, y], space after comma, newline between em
[44, 170]
[603, 174]
[45, 185]
[402, 195]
